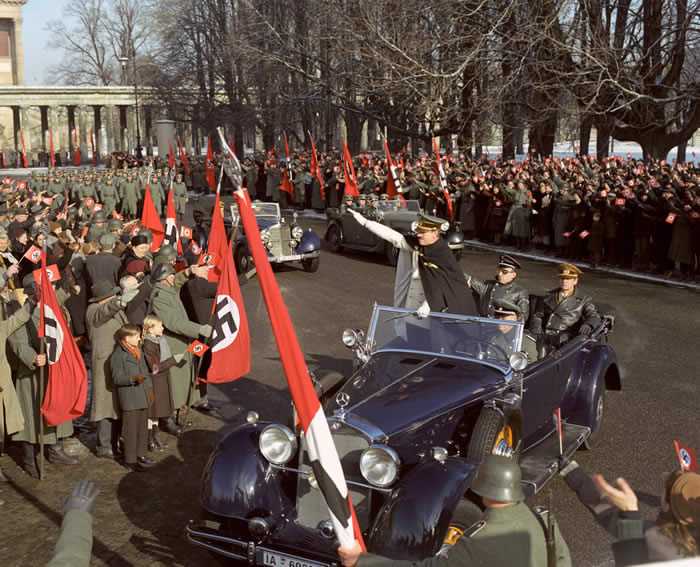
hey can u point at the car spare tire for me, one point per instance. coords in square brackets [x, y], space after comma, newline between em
[492, 434]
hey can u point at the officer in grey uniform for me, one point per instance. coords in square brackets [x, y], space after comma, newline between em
[502, 287]
[510, 534]
[504, 310]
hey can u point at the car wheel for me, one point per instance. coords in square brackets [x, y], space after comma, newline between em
[334, 239]
[491, 435]
[598, 413]
[311, 264]
[392, 254]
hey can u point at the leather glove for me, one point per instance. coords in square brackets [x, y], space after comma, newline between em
[138, 379]
[585, 330]
[205, 330]
[82, 498]
[128, 295]
[423, 311]
[358, 217]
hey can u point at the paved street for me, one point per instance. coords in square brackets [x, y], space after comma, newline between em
[139, 517]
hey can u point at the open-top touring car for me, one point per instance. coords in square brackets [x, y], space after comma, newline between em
[429, 399]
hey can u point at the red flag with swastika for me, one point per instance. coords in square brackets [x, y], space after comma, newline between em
[66, 392]
[230, 339]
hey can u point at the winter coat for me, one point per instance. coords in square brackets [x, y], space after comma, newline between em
[11, 418]
[103, 320]
[125, 368]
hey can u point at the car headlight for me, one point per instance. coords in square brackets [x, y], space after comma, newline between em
[264, 235]
[350, 338]
[518, 361]
[380, 465]
[297, 233]
[278, 444]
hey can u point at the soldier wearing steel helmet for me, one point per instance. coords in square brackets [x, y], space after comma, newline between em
[510, 534]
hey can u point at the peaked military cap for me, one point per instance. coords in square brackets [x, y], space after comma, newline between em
[502, 306]
[506, 261]
[430, 222]
[569, 271]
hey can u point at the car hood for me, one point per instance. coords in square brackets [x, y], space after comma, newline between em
[396, 391]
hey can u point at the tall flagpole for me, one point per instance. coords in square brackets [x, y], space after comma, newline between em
[42, 379]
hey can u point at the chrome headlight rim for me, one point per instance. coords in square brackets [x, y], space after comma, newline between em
[518, 361]
[297, 233]
[278, 433]
[350, 338]
[264, 235]
[390, 459]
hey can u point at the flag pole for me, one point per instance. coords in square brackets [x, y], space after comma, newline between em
[42, 378]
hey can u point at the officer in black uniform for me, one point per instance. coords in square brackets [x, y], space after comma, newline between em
[503, 287]
[565, 311]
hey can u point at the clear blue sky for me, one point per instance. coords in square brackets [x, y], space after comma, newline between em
[38, 59]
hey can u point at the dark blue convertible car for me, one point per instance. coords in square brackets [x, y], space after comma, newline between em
[429, 399]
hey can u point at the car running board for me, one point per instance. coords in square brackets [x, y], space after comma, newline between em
[541, 462]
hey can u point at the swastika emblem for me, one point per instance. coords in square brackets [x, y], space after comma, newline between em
[54, 336]
[226, 323]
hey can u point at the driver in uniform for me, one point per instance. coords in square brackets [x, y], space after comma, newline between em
[564, 312]
[504, 310]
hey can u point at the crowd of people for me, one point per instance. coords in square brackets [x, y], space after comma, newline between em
[132, 309]
[619, 212]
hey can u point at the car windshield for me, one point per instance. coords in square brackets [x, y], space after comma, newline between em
[441, 334]
[267, 210]
[399, 205]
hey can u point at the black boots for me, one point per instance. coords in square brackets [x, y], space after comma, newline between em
[57, 456]
[169, 426]
[29, 459]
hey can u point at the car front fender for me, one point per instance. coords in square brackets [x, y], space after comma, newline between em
[310, 242]
[238, 482]
[455, 239]
[600, 362]
[413, 522]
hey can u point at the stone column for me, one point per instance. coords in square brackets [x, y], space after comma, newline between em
[71, 128]
[123, 127]
[148, 123]
[16, 127]
[97, 132]
[110, 137]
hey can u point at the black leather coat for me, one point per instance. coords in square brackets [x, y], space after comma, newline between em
[564, 318]
[491, 290]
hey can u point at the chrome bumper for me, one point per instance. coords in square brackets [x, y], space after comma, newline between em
[205, 537]
[294, 257]
[459, 246]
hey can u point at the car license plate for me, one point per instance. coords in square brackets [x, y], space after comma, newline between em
[275, 559]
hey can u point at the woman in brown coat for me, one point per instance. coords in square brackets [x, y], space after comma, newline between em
[160, 360]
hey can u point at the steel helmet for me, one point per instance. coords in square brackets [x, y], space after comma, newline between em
[498, 478]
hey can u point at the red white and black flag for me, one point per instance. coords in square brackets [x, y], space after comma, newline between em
[210, 168]
[316, 169]
[286, 182]
[321, 449]
[440, 170]
[66, 393]
[151, 220]
[349, 173]
[230, 339]
[172, 234]
[687, 459]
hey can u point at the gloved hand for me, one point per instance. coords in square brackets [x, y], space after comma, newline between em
[358, 217]
[138, 379]
[205, 330]
[179, 357]
[423, 311]
[128, 295]
[585, 330]
[82, 498]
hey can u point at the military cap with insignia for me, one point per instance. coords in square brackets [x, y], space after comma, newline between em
[506, 261]
[502, 306]
[569, 271]
[430, 222]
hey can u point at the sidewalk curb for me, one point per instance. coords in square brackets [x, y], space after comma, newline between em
[600, 269]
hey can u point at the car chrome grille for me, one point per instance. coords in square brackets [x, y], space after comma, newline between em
[311, 507]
